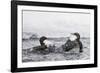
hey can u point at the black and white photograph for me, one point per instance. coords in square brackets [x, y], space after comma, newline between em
[55, 36]
[51, 36]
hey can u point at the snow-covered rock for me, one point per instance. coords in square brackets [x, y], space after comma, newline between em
[27, 35]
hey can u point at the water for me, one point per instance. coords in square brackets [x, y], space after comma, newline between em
[55, 56]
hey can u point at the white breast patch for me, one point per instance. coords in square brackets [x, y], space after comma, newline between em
[48, 43]
[72, 37]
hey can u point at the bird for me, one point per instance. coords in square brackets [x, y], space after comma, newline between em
[72, 42]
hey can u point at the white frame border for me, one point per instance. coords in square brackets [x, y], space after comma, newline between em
[52, 63]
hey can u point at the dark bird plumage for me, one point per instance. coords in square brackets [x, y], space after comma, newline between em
[71, 44]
